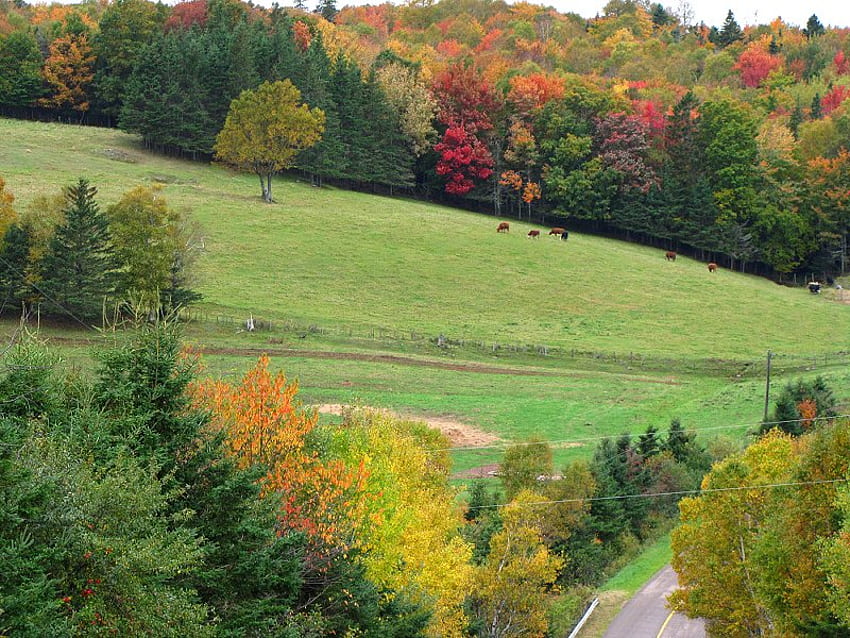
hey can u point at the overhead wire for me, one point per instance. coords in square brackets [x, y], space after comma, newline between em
[502, 446]
[619, 497]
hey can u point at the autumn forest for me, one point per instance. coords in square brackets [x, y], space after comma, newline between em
[727, 142]
[142, 494]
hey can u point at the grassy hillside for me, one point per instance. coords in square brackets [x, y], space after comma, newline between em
[374, 274]
[335, 258]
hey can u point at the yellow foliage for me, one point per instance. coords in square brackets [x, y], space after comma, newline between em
[414, 544]
[8, 216]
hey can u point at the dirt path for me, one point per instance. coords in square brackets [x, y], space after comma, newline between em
[459, 434]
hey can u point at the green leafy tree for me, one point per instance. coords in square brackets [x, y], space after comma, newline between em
[522, 466]
[713, 546]
[265, 129]
[20, 69]
[78, 270]
[125, 27]
[154, 246]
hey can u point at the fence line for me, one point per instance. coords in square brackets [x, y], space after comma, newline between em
[740, 368]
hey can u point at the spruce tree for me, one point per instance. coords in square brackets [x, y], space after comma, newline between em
[78, 270]
[14, 263]
[813, 28]
[730, 32]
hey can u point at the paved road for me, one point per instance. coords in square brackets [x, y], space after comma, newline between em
[646, 614]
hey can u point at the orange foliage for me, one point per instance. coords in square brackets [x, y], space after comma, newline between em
[450, 48]
[265, 426]
[512, 179]
[808, 411]
[489, 41]
[531, 192]
[69, 72]
[301, 34]
[531, 92]
[185, 14]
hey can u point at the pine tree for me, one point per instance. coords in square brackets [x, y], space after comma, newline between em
[14, 264]
[813, 28]
[78, 271]
[729, 33]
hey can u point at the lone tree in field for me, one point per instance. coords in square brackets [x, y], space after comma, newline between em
[265, 129]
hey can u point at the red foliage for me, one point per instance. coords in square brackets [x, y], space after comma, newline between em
[623, 147]
[489, 41]
[755, 64]
[185, 14]
[465, 100]
[834, 98]
[463, 158]
[842, 66]
[651, 115]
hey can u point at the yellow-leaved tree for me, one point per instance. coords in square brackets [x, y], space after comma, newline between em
[265, 130]
[512, 585]
[413, 544]
[8, 216]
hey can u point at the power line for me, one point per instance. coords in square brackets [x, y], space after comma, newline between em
[619, 497]
[502, 446]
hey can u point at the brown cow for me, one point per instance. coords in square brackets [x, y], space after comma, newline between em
[504, 226]
[557, 231]
[670, 255]
[712, 267]
[535, 234]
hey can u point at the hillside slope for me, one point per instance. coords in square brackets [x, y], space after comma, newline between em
[340, 259]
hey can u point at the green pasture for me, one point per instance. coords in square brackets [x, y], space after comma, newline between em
[595, 337]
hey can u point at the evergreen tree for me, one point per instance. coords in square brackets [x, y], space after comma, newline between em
[729, 33]
[327, 9]
[816, 111]
[798, 404]
[78, 271]
[248, 575]
[813, 28]
[795, 120]
[14, 265]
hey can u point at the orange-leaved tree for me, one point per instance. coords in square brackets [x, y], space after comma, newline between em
[265, 425]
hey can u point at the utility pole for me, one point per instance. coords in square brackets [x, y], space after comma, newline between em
[767, 387]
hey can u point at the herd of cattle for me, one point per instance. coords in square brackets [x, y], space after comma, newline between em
[505, 227]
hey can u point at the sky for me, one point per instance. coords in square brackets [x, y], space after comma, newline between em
[835, 13]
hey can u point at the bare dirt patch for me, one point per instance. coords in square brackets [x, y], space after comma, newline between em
[459, 434]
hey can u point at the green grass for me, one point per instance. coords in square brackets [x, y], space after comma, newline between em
[631, 340]
[638, 572]
[340, 259]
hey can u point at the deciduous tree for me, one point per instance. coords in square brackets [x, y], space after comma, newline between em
[265, 129]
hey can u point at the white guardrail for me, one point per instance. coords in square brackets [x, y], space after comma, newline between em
[584, 618]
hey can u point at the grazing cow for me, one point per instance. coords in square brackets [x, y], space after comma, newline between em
[712, 267]
[534, 234]
[504, 226]
[565, 236]
[557, 231]
[670, 255]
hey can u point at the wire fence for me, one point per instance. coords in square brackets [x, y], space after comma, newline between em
[376, 335]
